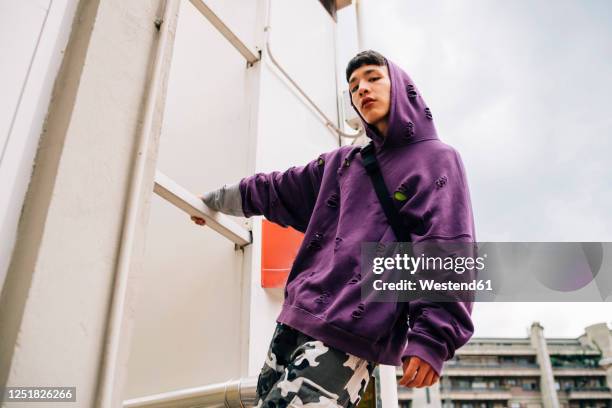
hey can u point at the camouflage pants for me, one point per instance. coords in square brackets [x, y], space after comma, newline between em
[303, 372]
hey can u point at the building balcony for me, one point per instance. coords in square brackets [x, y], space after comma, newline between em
[590, 393]
[490, 394]
[578, 371]
[500, 365]
[580, 366]
[572, 350]
[496, 351]
[502, 370]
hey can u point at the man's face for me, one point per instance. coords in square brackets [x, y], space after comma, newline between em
[370, 88]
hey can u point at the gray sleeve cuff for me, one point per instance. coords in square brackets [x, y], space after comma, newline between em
[227, 200]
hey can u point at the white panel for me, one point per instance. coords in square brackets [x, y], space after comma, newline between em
[33, 35]
[206, 119]
[188, 314]
[187, 325]
[21, 23]
[303, 41]
[290, 134]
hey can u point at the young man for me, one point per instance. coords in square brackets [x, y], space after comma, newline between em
[328, 339]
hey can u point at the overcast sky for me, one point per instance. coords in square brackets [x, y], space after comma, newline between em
[523, 90]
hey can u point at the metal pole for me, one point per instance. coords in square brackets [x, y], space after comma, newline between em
[251, 56]
[113, 335]
[358, 15]
[230, 394]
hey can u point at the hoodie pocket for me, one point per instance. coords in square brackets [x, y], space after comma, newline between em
[370, 320]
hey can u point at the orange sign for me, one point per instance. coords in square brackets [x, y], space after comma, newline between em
[279, 246]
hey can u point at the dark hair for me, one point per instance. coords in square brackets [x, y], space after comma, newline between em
[368, 57]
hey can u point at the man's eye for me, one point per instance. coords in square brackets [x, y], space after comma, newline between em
[374, 78]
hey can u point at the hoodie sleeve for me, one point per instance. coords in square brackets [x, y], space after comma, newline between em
[225, 199]
[438, 329]
[285, 198]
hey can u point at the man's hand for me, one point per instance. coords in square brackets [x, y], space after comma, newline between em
[198, 220]
[417, 373]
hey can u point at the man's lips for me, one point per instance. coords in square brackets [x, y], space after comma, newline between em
[367, 102]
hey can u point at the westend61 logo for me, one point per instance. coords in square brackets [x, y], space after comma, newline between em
[426, 263]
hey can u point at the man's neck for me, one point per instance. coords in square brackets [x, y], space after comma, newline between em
[382, 127]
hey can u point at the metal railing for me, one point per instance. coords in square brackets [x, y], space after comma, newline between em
[574, 365]
[230, 394]
[325, 119]
[251, 56]
[178, 196]
[602, 388]
[493, 365]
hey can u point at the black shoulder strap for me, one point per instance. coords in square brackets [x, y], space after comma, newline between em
[371, 165]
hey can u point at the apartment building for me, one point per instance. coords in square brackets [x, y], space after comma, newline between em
[530, 372]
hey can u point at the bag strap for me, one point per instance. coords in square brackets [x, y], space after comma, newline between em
[373, 169]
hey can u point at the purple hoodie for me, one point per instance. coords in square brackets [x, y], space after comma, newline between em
[332, 200]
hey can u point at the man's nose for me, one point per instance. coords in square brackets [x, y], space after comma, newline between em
[363, 89]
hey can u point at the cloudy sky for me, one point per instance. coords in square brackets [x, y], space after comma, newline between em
[523, 90]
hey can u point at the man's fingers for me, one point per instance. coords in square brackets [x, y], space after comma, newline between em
[410, 370]
[429, 378]
[198, 220]
[422, 372]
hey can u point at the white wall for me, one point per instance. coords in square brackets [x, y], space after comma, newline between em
[33, 36]
[54, 311]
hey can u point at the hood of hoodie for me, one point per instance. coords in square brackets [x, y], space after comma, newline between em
[410, 120]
